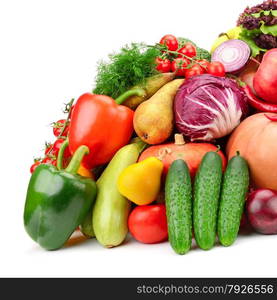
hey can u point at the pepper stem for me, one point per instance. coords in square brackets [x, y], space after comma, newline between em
[133, 92]
[60, 155]
[218, 148]
[76, 160]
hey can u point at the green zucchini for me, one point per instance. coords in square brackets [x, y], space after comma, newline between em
[111, 210]
[178, 200]
[233, 195]
[86, 226]
[206, 198]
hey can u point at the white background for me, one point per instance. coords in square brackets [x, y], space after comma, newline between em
[49, 50]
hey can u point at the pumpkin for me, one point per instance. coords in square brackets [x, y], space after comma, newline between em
[256, 140]
[191, 153]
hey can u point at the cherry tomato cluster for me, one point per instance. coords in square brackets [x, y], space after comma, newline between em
[182, 61]
[60, 131]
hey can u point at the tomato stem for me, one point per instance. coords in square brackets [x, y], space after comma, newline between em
[167, 51]
[188, 57]
[51, 156]
[69, 105]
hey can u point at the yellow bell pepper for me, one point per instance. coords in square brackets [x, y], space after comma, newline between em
[141, 182]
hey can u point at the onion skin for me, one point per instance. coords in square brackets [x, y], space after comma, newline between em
[239, 52]
[262, 210]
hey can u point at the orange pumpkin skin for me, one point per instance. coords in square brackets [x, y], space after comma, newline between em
[256, 140]
[191, 153]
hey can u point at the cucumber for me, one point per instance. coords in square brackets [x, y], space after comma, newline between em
[206, 198]
[178, 200]
[233, 195]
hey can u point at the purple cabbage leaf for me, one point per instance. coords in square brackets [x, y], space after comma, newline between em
[208, 107]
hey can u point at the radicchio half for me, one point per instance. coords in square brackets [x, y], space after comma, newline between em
[208, 107]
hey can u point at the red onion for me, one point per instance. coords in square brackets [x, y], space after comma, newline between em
[233, 54]
[262, 210]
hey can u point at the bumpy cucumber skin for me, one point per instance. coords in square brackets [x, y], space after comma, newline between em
[206, 200]
[232, 200]
[178, 200]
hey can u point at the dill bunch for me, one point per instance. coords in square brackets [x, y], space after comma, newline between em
[130, 67]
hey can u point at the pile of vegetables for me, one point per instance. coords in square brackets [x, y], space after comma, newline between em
[173, 143]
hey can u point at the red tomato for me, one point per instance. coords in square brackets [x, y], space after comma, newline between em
[47, 160]
[170, 41]
[188, 50]
[34, 165]
[204, 64]
[163, 65]
[57, 128]
[193, 71]
[179, 66]
[56, 148]
[48, 148]
[148, 224]
[216, 68]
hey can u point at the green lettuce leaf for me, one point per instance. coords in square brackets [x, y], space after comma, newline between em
[269, 29]
[265, 13]
[248, 37]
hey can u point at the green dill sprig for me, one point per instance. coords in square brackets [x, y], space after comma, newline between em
[130, 67]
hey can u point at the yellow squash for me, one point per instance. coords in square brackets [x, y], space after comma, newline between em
[141, 182]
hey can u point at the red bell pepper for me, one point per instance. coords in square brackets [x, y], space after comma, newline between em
[257, 103]
[100, 123]
[272, 118]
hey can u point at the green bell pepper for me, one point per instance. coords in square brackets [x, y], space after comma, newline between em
[58, 201]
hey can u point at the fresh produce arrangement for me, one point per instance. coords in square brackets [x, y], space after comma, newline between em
[174, 143]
